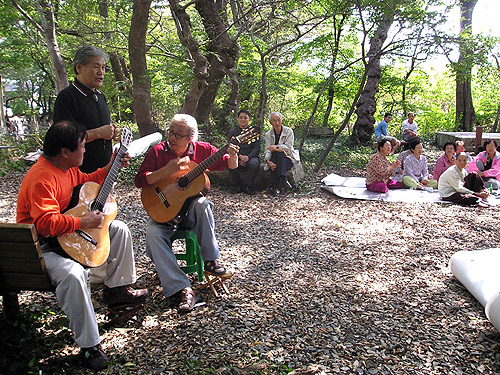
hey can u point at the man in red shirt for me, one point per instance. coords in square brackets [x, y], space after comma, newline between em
[162, 162]
[44, 195]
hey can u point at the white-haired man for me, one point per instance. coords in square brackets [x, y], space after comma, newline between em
[279, 153]
[162, 162]
[456, 186]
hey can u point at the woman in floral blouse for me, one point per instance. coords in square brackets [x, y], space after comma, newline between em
[379, 170]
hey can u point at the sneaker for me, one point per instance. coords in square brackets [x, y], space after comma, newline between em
[276, 192]
[94, 358]
[123, 295]
[214, 267]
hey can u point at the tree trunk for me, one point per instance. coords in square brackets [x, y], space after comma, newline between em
[120, 70]
[122, 78]
[47, 29]
[366, 106]
[224, 54]
[216, 74]
[465, 113]
[199, 61]
[495, 124]
[344, 124]
[331, 93]
[138, 66]
[328, 83]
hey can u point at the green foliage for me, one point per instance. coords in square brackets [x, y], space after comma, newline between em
[343, 154]
[11, 159]
[296, 71]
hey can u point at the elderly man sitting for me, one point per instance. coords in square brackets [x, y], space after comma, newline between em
[455, 185]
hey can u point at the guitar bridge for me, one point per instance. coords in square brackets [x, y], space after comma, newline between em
[86, 236]
[162, 197]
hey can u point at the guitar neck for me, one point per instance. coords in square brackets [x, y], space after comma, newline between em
[107, 185]
[205, 164]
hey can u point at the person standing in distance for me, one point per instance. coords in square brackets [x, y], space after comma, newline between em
[82, 102]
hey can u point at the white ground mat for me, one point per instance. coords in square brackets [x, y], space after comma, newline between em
[355, 188]
[478, 271]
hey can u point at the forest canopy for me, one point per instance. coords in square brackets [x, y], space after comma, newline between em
[321, 63]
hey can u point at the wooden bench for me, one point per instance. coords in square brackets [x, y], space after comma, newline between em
[21, 265]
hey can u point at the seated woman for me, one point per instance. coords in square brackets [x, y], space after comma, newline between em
[459, 187]
[398, 174]
[379, 170]
[487, 164]
[416, 172]
[445, 161]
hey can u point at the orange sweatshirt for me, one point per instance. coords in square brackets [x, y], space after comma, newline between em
[46, 191]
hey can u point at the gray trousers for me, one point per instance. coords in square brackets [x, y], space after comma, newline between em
[200, 220]
[72, 289]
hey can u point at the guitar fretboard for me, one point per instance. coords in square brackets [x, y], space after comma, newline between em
[200, 168]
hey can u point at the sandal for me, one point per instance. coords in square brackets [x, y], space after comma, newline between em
[214, 267]
[188, 300]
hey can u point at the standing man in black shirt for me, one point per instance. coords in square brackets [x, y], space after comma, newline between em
[248, 157]
[82, 102]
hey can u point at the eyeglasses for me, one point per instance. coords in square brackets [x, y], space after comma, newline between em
[177, 136]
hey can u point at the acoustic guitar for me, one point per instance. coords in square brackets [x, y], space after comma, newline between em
[90, 247]
[167, 200]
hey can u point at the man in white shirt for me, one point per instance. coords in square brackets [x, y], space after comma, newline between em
[455, 185]
[409, 127]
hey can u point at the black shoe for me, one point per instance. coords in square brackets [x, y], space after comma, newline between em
[276, 192]
[236, 189]
[285, 185]
[94, 358]
[123, 295]
[214, 267]
[248, 190]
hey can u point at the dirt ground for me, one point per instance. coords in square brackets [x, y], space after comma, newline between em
[322, 285]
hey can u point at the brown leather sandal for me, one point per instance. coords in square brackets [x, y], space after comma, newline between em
[188, 300]
[214, 267]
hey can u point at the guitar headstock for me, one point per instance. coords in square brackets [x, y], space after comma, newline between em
[248, 135]
[126, 137]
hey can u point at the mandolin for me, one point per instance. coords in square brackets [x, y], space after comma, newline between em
[90, 247]
[167, 200]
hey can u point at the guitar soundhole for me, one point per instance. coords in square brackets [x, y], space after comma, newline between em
[92, 206]
[183, 182]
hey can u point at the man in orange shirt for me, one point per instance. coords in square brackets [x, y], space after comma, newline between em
[44, 195]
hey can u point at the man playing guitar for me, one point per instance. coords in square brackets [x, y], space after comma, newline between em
[44, 194]
[164, 161]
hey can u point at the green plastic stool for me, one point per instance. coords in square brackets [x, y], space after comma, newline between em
[192, 256]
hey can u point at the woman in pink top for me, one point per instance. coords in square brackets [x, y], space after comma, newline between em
[445, 161]
[487, 164]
